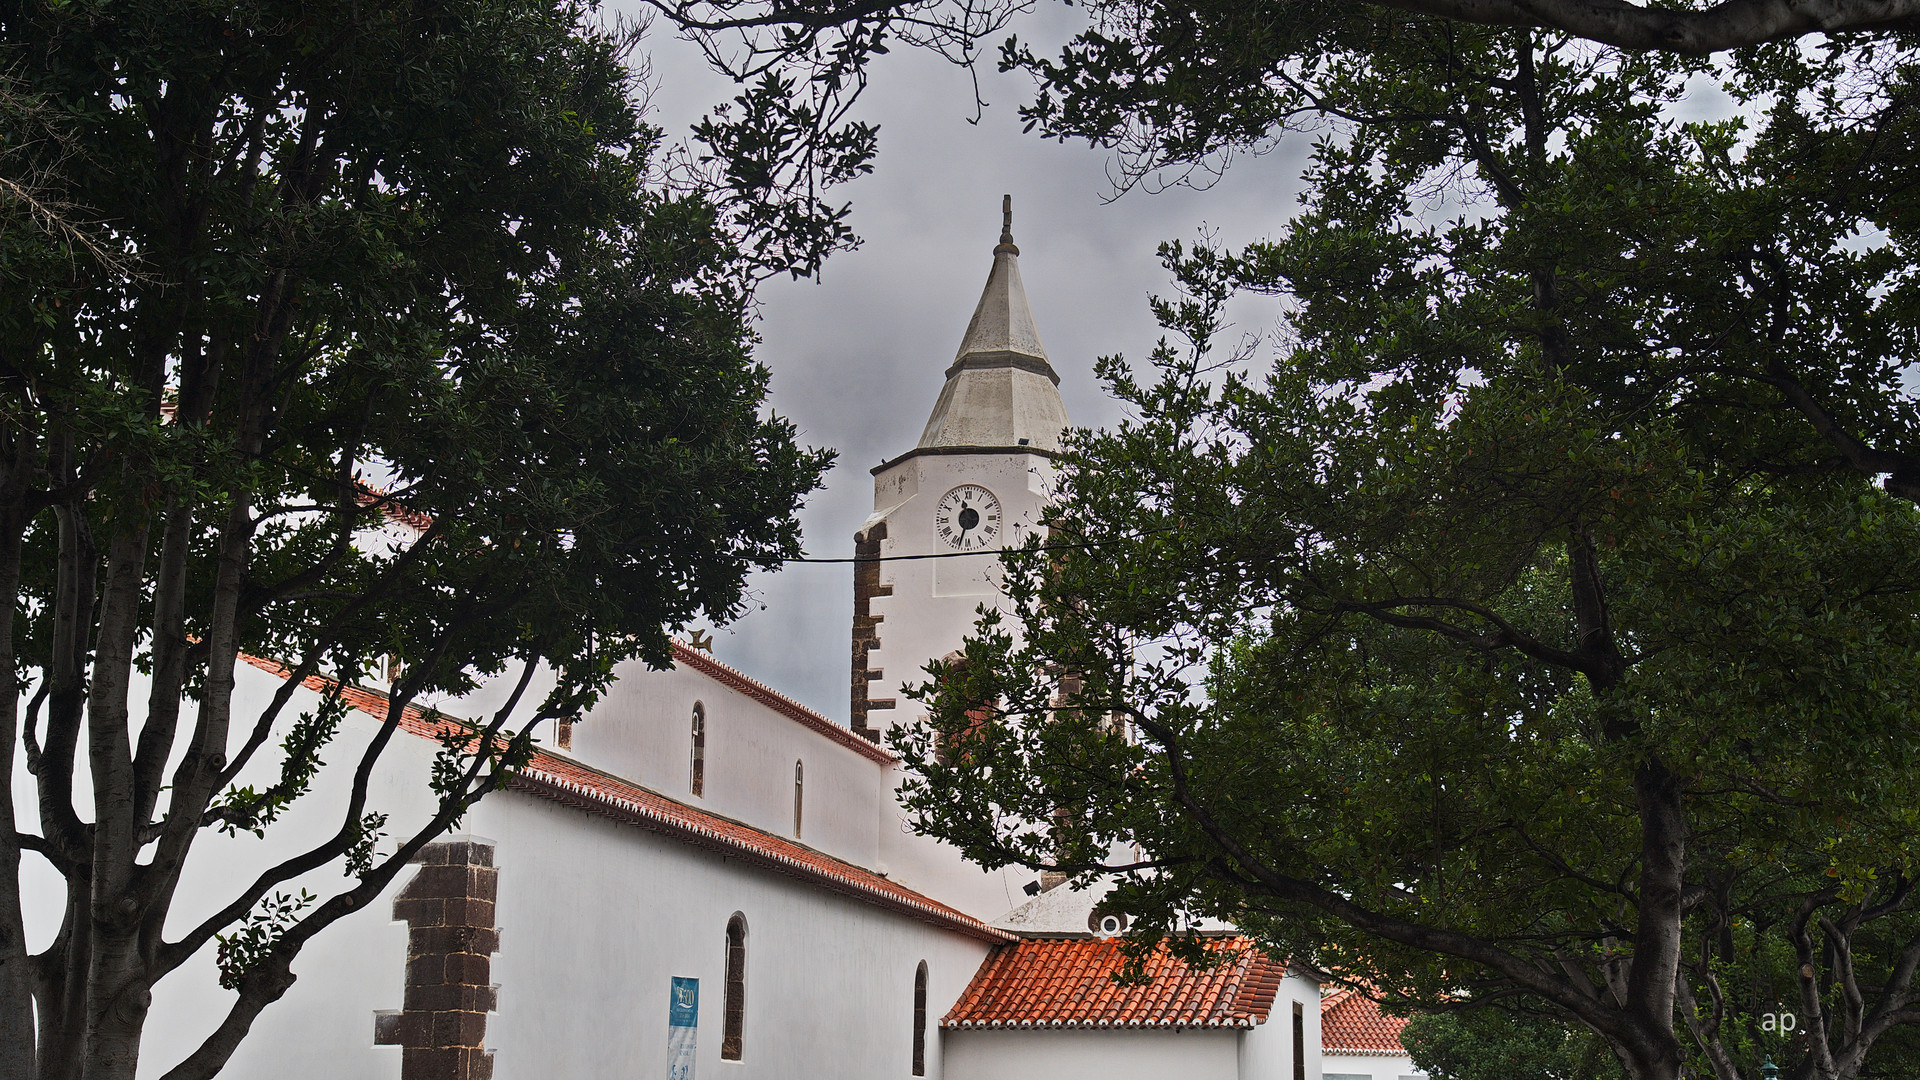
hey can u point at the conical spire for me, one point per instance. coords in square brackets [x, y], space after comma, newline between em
[1001, 391]
[1002, 321]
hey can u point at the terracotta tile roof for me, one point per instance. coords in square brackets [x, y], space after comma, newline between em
[1352, 1023]
[400, 513]
[563, 780]
[1070, 983]
[778, 702]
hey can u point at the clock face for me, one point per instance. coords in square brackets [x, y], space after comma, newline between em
[968, 518]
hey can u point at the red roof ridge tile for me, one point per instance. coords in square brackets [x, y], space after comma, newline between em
[572, 783]
[741, 682]
[401, 513]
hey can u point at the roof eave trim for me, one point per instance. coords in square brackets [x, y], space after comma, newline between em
[920, 451]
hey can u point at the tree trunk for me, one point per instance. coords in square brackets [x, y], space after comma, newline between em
[1657, 936]
[117, 991]
[16, 975]
[60, 990]
[117, 1000]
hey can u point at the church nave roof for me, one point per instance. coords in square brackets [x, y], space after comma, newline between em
[561, 779]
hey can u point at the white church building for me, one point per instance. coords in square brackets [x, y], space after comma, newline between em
[704, 878]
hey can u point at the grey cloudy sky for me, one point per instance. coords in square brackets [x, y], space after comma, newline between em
[857, 357]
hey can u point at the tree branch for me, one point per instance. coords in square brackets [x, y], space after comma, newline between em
[1449, 942]
[1731, 24]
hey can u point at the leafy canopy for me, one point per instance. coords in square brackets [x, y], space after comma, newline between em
[277, 276]
[1533, 627]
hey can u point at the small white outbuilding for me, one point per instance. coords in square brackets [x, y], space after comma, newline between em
[1359, 1042]
[1050, 1009]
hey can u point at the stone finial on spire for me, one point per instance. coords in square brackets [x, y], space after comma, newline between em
[1006, 227]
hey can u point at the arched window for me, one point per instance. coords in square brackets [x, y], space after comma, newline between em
[698, 771]
[734, 1016]
[920, 1020]
[799, 792]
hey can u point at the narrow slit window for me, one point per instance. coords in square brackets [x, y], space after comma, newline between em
[920, 1020]
[799, 795]
[734, 1019]
[697, 773]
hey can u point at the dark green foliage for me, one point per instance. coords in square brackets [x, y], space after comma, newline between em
[274, 274]
[1542, 623]
[1488, 1044]
[253, 939]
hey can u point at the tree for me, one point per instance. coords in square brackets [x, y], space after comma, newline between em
[745, 35]
[1496, 475]
[833, 41]
[329, 262]
[1784, 221]
[1490, 698]
[1516, 633]
[1490, 1044]
[1721, 311]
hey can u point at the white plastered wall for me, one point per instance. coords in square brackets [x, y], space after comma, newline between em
[643, 731]
[1076, 1054]
[583, 985]
[1373, 1067]
[1266, 1053]
[323, 1027]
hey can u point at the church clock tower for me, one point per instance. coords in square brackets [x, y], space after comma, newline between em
[974, 484]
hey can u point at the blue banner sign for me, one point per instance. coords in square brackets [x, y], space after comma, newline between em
[683, 1019]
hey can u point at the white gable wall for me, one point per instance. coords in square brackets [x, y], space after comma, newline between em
[1267, 1051]
[642, 731]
